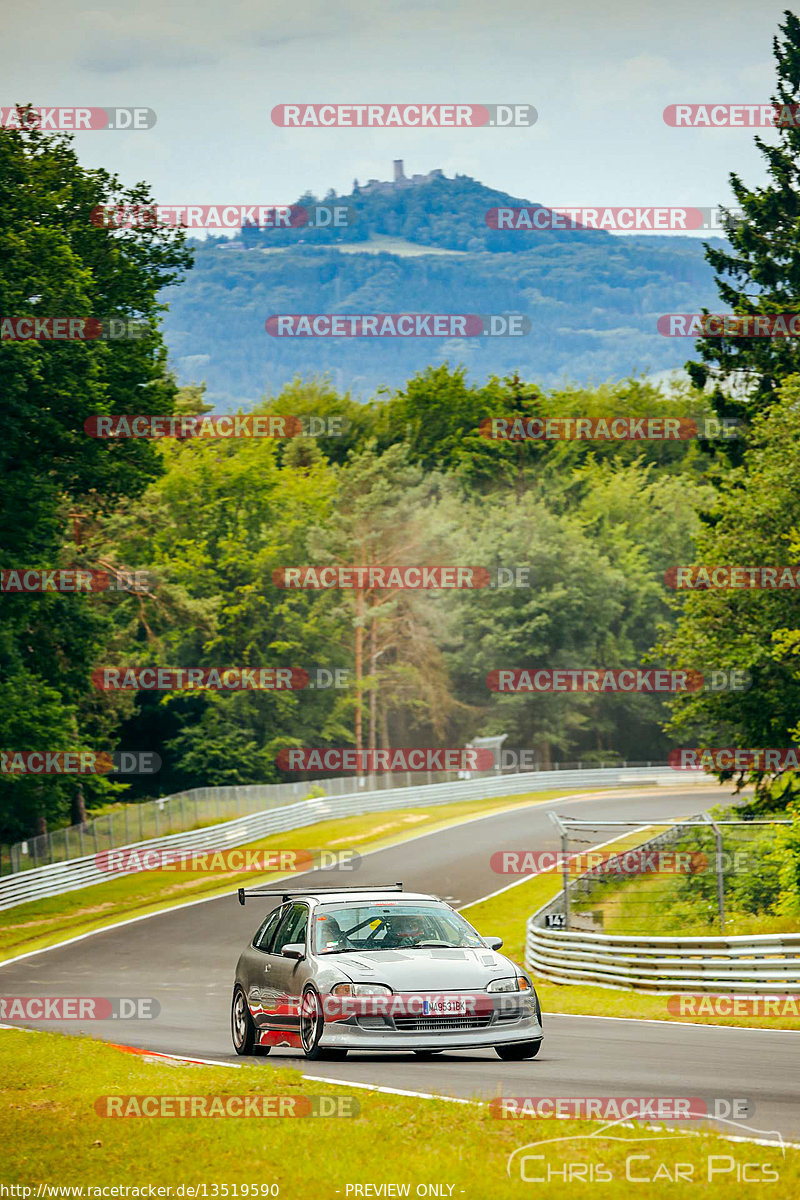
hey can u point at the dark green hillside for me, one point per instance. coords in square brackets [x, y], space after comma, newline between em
[593, 301]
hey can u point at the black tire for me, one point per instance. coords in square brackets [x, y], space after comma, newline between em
[312, 1025]
[243, 1030]
[516, 1052]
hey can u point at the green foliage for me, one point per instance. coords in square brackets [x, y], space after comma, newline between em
[756, 519]
[56, 263]
[760, 271]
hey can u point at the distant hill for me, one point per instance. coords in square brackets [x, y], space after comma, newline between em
[593, 299]
[449, 213]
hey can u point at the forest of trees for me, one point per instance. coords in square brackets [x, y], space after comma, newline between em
[409, 480]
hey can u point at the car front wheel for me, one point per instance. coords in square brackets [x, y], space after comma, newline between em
[515, 1052]
[312, 1024]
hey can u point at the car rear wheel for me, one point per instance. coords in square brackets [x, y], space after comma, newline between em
[515, 1052]
[243, 1030]
[312, 1025]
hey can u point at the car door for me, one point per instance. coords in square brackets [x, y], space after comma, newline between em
[260, 993]
[286, 975]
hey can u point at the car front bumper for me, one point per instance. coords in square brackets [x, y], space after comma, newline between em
[353, 1034]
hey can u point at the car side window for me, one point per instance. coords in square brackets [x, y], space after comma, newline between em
[264, 933]
[292, 928]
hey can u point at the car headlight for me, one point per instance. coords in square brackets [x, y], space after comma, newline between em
[510, 983]
[361, 989]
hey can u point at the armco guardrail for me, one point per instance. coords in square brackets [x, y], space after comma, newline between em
[151, 819]
[765, 965]
[60, 877]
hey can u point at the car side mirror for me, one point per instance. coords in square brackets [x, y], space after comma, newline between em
[494, 943]
[294, 950]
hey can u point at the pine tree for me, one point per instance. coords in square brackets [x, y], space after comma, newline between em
[761, 271]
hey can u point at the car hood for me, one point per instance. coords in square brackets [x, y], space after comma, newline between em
[432, 969]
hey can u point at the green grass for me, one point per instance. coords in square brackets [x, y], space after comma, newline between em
[53, 1134]
[46, 922]
[506, 916]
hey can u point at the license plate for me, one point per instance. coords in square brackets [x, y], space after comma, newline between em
[444, 1006]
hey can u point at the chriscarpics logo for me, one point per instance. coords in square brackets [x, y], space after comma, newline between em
[646, 1155]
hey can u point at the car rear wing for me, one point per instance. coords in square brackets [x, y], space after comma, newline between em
[315, 891]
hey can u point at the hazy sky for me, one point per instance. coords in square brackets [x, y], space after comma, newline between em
[599, 77]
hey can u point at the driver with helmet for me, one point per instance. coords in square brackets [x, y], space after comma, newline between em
[403, 930]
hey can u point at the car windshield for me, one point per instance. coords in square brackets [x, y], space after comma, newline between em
[390, 925]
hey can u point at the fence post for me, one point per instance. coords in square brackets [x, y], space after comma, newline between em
[565, 867]
[127, 828]
[565, 855]
[720, 873]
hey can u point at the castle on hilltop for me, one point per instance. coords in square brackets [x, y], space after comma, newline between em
[400, 180]
[255, 236]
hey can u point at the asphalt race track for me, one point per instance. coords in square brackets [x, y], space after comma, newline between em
[185, 958]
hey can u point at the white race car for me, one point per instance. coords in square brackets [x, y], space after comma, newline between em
[337, 969]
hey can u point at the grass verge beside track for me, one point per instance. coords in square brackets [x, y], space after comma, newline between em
[53, 1135]
[46, 922]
